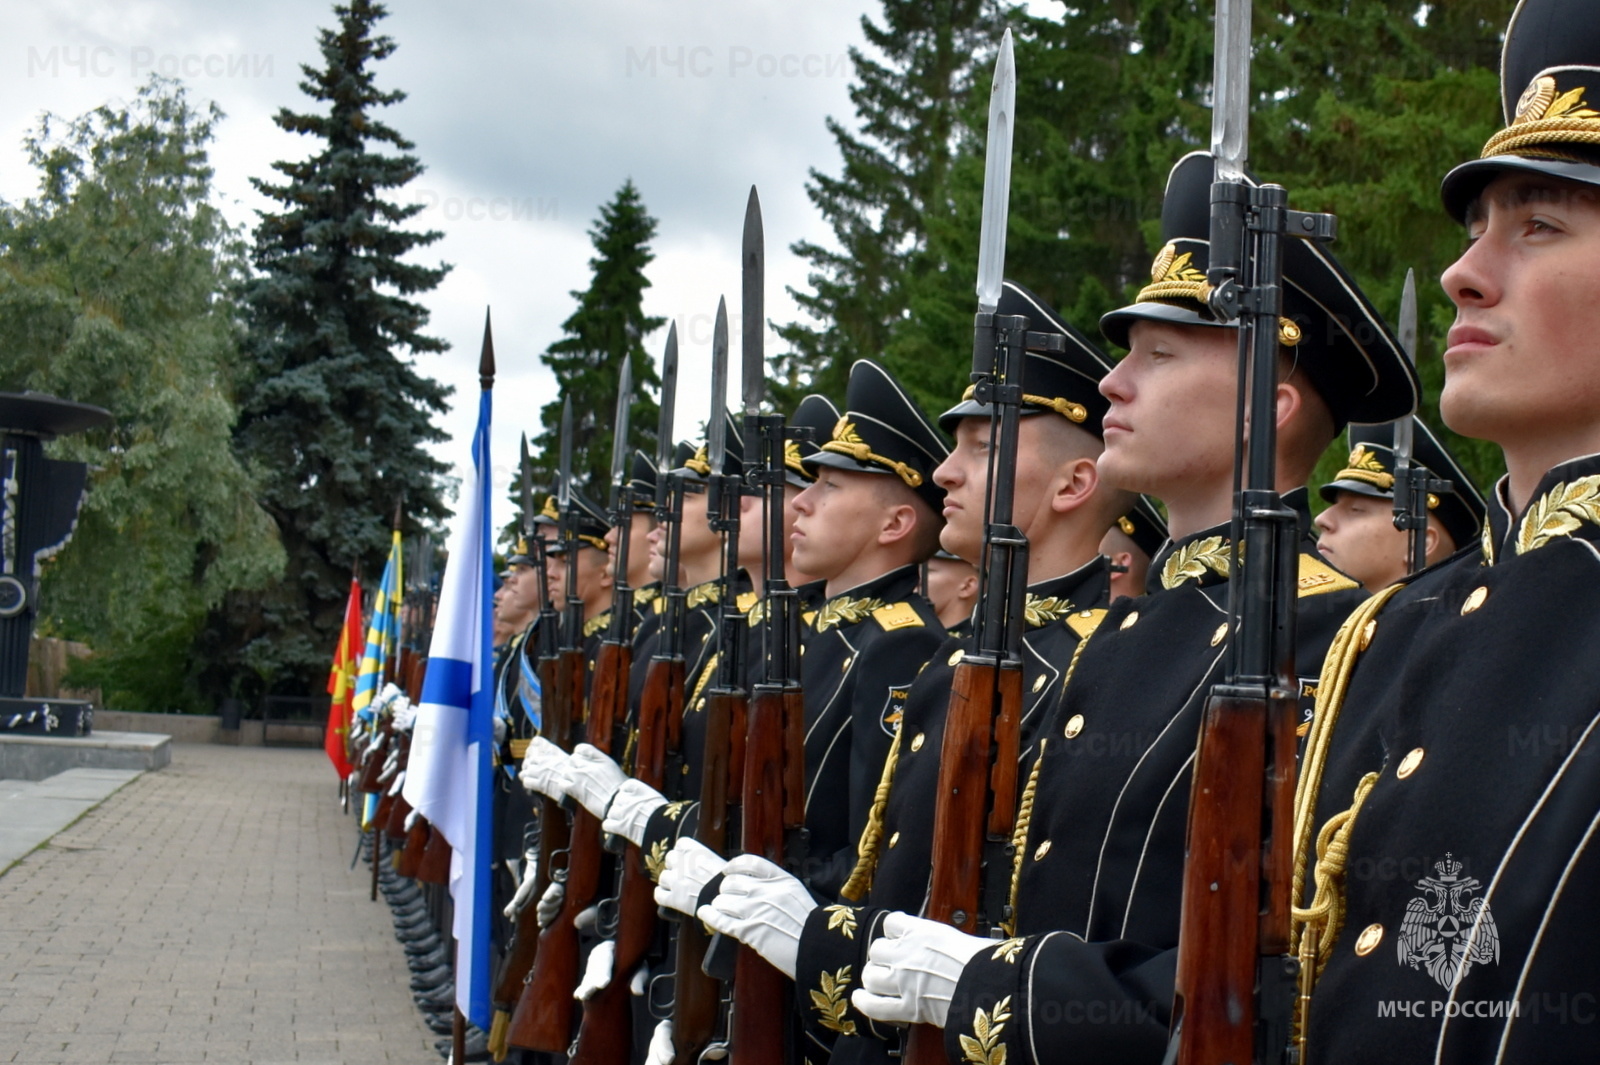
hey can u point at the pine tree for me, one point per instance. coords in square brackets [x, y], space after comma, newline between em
[609, 326]
[891, 189]
[335, 415]
[115, 289]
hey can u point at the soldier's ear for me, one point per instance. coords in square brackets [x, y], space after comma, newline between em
[1074, 485]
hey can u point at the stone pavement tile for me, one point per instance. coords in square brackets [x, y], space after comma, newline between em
[207, 912]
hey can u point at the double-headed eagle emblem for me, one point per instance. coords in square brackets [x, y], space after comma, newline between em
[1449, 929]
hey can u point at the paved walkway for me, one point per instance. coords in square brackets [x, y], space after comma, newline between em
[205, 912]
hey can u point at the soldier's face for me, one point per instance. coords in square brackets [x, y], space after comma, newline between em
[522, 590]
[964, 476]
[1169, 431]
[1522, 367]
[1358, 536]
[836, 519]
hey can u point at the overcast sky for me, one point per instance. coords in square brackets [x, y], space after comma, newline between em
[528, 115]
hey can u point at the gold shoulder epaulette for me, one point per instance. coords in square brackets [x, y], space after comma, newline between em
[1084, 622]
[897, 616]
[808, 617]
[745, 600]
[659, 604]
[1319, 578]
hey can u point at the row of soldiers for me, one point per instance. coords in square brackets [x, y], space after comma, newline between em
[1444, 810]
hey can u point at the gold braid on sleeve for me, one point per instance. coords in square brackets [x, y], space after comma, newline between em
[1318, 925]
[855, 889]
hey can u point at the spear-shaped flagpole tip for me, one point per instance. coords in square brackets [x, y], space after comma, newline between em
[486, 360]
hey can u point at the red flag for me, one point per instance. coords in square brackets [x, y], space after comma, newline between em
[342, 684]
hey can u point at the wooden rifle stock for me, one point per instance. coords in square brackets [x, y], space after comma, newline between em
[976, 806]
[1232, 939]
[543, 1018]
[605, 1033]
[372, 768]
[410, 859]
[760, 992]
[697, 997]
[435, 865]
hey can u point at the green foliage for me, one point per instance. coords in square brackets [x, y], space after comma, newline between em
[114, 290]
[1359, 109]
[608, 327]
[333, 413]
[893, 188]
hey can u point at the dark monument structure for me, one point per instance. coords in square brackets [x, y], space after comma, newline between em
[39, 500]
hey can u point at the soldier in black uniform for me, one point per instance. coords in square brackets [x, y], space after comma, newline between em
[950, 583]
[866, 524]
[1358, 530]
[1130, 544]
[1449, 801]
[1063, 508]
[1100, 833]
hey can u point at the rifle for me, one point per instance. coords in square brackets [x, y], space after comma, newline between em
[772, 802]
[975, 815]
[696, 1000]
[552, 835]
[605, 1034]
[1412, 484]
[543, 1017]
[1236, 977]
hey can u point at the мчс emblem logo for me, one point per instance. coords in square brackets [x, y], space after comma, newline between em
[1449, 929]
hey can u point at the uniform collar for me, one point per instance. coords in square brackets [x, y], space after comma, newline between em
[1565, 505]
[1202, 558]
[1087, 586]
[891, 587]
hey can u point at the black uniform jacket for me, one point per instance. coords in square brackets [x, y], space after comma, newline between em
[833, 946]
[1089, 978]
[1473, 873]
[861, 649]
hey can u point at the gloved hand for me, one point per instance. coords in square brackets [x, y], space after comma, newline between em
[689, 867]
[763, 907]
[405, 715]
[550, 903]
[499, 731]
[911, 973]
[411, 819]
[593, 778]
[597, 971]
[630, 811]
[544, 768]
[530, 875]
[660, 1052]
[399, 782]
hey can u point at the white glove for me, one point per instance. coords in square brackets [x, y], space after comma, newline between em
[544, 768]
[411, 819]
[597, 971]
[660, 1052]
[630, 811]
[530, 874]
[593, 778]
[689, 868]
[405, 715]
[399, 782]
[550, 904]
[763, 907]
[499, 731]
[911, 973]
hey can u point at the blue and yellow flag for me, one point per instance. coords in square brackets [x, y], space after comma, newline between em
[383, 634]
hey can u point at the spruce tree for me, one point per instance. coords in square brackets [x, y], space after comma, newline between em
[334, 414]
[891, 189]
[609, 326]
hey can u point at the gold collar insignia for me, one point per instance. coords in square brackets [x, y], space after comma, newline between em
[845, 611]
[1559, 512]
[1040, 611]
[1193, 560]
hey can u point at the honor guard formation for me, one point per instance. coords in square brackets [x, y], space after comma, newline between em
[1051, 726]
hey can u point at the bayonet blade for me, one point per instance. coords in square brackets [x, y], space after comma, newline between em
[619, 431]
[1404, 434]
[755, 321]
[717, 420]
[997, 178]
[564, 473]
[669, 401]
[1230, 89]
[525, 475]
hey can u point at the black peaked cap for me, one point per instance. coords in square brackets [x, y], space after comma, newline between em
[1369, 471]
[883, 431]
[642, 481]
[1338, 338]
[1066, 383]
[818, 414]
[590, 524]
[698, 466]
[1549, 89]
[521, 555]
[1144, 525]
